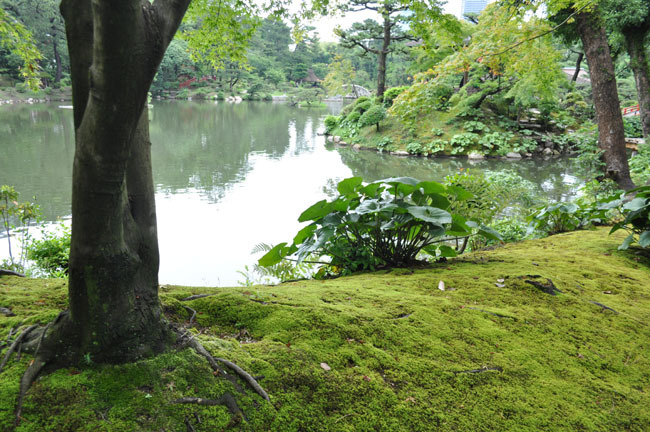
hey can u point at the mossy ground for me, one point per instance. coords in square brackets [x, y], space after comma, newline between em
[397, 347]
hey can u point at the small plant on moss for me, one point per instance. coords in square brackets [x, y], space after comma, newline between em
[636, 220]
[563, 217]
[415, 148]
[475, 126]
[460, 143]
[381, 224]
[437, 132]
[373, 116]
[51, 253]
[12, 212]
[331, 122]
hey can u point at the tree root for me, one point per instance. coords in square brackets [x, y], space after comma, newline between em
[26, 382]
[226, 400]
[4, 272]
[189, 309]
[496, 314]
[16, 344]
[548, 287]
[196, 296]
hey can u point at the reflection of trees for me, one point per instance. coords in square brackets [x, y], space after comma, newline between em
[371, 166]
[37, 148]
[207, 146]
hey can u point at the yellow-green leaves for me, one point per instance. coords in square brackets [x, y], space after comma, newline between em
[16, 38]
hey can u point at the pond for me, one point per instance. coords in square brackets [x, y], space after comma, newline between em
[227, 177]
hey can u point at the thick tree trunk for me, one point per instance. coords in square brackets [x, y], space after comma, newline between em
[115, 49]
[611, 137]
[574, 78]
[634, 39]
[381, 59]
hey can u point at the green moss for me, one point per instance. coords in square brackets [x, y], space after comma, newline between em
[398, 349]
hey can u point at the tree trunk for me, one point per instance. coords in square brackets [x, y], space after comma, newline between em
[115, 49]
[381, 59]
[611, 136]
[634, 39]
[574, 78]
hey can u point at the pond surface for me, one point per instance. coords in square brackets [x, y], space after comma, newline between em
[227, 177]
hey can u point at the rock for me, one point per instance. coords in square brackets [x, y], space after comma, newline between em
[556, 153]
[513, 155]
[400, 153]
[528, 155]
[548, 144]
[330, 139]
[475, 156]
[342, 143]
[337, 139]
[357, 147]
[548, 152]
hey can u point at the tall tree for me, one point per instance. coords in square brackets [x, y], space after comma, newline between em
[632, 19]
[377, 38]
[17, 39]
[611, 136]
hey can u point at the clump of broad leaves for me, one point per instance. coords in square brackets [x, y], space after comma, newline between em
[636, 214]
[387, 223]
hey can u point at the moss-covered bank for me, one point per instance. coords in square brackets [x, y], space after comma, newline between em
[490, 352]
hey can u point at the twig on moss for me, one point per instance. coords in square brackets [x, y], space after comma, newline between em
[481, 370]
[196, 296]
[227, 400]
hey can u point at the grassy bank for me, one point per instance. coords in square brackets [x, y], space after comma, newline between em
[386, 351]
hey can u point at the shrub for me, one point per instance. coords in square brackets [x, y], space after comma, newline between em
[183, 94]
[363, 107]
[486, 201]
[353, 119]
[437, 132]
[461, 142]
[51, 253]
[563, 217]
[496, 141]
[636, 220]
[373, 116]
[384, 143]
[414, 148]
[475, 126]
[331, 122]
[640, 165]
[436, 146]
[632, 126]
[381, 224]
[391, 94]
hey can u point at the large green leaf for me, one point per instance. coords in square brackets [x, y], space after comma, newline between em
[489, 233]
[349, 185]
[644, 239]
[316, 211]
[430, 214]
[460, 193]
[400, 180]
[635, 204]
[304, 233]
[459, 227]
[430, 187]
[626, 243]
[274, 256]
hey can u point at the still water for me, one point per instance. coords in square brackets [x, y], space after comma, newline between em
[226, 176]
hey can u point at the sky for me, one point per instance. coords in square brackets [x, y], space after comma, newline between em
[325, 26]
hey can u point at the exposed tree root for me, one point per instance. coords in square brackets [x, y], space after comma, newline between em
[26, 382]
[6, 312]
[196, 296]
[4, 272]
[548, 287]
[247, 377]
[16, 344]
[189, 309]
[604, 307]
[226, 400]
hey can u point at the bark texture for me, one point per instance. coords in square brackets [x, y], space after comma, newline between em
[115, 49]
[634, 39]
[611, 136]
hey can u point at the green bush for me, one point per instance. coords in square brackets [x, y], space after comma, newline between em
[563, 217]
[640, 165]
[437, 132]
[415, 148]
[51, 253]
[183, 94]
[363, 107]
[632, 126]
[391, 94]
[373, 116]
[331, 122]
[436, 146]
[475, 126]
[636, 220]
[353, 118]
[460, 143]
[486, 201]
[496, 141]
[381, 224]
[384, 143]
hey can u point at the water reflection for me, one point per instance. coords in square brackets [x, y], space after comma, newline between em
[227, 176]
